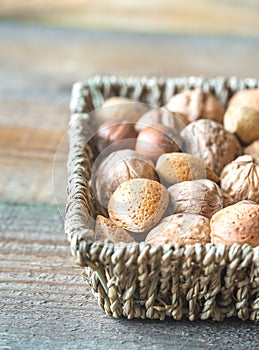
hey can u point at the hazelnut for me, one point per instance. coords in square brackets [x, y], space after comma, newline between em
[203, 197]
[181, 229]
[163, 116]
[240, 179]
[209, 141]
[120, 108]
[242, 115]
[115, 131]
[178, 167]
[253, 149]
[118, 167]
[238, 223]
[155, 140]
[197, 104]
[106, 229]
[137, 205]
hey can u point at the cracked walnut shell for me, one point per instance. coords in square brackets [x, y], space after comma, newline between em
[240, 179]
[209, 141]
[203, 197]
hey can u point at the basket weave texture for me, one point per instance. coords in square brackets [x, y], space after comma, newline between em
[138, 280]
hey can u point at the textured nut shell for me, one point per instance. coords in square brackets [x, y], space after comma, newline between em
[118, 167]
[253, 149]
[248, 97]
[203, 197]
[177, 167]
[182, 229]
[227, 199]
[106, 229]
[197, 104]
[163, 116]
[238, 223]
[137, 205]
[209, 141]
[240, 179]
[155, 140]
[120, 108]
[244, 122]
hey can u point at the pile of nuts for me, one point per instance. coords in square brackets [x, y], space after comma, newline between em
[185, 173]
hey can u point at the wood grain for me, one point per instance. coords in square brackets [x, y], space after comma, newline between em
[45, 303]
[179, 16]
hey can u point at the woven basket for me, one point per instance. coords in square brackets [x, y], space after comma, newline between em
[137, 280]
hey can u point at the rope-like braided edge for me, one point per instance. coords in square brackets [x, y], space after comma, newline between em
[138, 280]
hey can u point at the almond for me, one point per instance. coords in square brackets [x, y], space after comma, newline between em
[138, 204]
[238, 223]
[106, 229]
[181, 229]
[177, 167]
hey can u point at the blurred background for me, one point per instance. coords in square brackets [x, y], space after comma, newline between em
[47, 45]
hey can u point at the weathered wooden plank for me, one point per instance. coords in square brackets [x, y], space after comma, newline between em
[204, 16]
[45, 303]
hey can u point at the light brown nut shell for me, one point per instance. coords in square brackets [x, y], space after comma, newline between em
[106, 229]
[203, 197]
[177, 167]
[253, 149]
[238, 223]
[120, 108]
[244, 122]
[163, 116]
[242, 115]
[120, 133]
[155, 140]
[227, 199]
[118, 167]
[182, 229]
[137, 205]
[197, 104]
[240, 179]
[209, 141]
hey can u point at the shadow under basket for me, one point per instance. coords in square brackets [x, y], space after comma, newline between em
[137, 280]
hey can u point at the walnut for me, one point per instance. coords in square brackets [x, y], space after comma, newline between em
[227, 199]
[163, 116]
[203, 197]
[118, 167]
[197, 104]
[181, 229]
[240, 179]
[238, 223]
[209, 141]
[242, 115]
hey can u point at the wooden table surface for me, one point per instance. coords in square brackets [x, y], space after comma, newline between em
[45, 303]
